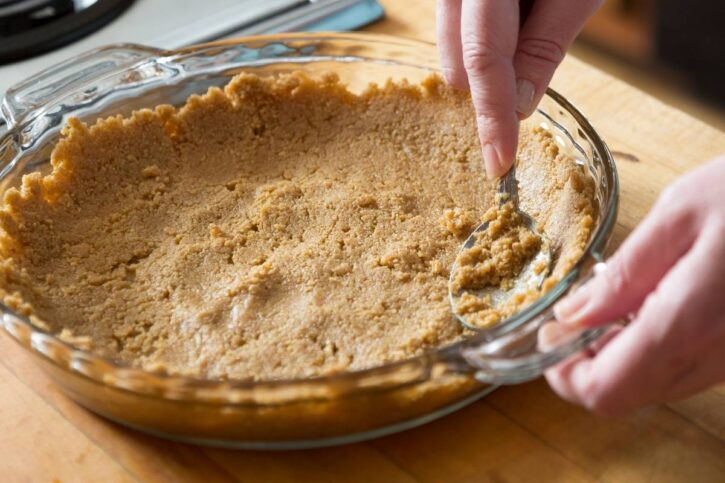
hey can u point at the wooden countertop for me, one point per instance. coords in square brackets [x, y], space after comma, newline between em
[519, 433]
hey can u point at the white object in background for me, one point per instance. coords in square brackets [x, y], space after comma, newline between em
[165, 24]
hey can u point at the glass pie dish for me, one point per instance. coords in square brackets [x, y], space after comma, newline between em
[319, 411]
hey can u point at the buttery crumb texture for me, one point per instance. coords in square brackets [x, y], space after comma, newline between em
[496, 259]
[277, 228]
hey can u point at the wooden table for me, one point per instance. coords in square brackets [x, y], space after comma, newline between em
[520, 433]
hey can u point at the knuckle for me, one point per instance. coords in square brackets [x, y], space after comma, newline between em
[596, 400]
[448, 72]
[669, 196]
[602, 407]
[488, 113]
[678, 212]
[478, 58]
[547, 51]
[617, 278]
[451, 75]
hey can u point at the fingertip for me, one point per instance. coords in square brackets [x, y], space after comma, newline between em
[592, 401]
[492, 161]
[506, 162]
[556, 383]
[455, 77]
[559, 379]
[578, 376]
[553, 334]
[591, 304]
[569, 309]
[499, 139]
[593, 394]
[508, 143]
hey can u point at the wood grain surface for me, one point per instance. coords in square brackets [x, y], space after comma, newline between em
[519, 433]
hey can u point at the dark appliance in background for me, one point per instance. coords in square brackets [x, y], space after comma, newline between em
[682, 41]
[690, 37]
[32, 27]
[35, 34]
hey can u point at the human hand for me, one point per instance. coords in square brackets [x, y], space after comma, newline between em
[506, 67]
[670, 273]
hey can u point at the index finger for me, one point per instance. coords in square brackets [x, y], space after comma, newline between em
[659, 354]
[489, 33]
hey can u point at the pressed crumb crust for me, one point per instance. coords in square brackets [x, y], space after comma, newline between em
[277, 228]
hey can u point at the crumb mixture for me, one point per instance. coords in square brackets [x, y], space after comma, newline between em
[280, 227]
[498, 254]
[496, 259]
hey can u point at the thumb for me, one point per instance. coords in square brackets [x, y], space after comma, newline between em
[633, 272]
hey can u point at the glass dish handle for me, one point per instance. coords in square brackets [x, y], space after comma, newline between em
[22, 99]
[517, 357]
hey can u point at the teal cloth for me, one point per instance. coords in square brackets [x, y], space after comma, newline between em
[358, 15]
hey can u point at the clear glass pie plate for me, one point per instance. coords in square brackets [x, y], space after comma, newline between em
[283, 413]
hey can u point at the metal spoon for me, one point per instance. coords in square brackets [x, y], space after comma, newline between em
[529, 277]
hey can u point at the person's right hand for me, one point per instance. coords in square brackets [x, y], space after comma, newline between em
[506, 68]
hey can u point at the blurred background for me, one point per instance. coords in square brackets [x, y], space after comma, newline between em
[672, 49]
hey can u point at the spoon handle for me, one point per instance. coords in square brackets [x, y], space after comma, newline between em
[509, 186]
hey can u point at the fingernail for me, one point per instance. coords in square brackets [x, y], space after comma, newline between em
[573, 307]
[549, 335]
[525, 92]
[492, 161]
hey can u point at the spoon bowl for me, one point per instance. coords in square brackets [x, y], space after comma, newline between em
[530, 277]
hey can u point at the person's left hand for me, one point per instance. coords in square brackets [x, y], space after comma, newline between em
[669, 273]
